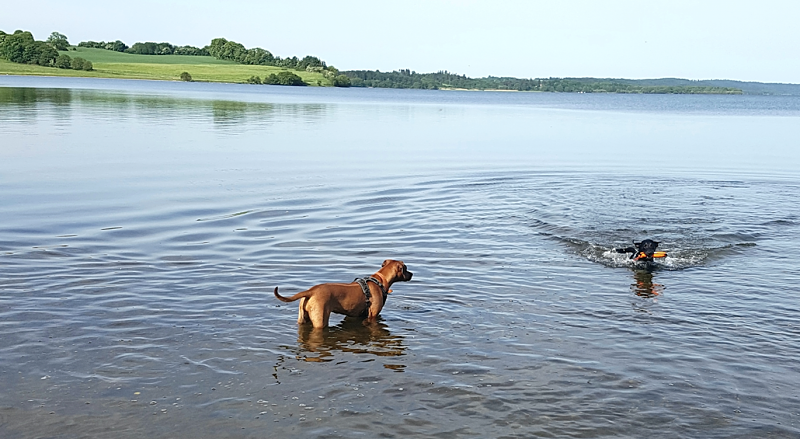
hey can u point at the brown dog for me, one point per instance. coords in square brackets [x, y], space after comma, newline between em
[318, 302]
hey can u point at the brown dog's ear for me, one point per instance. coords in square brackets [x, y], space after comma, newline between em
[384, 263]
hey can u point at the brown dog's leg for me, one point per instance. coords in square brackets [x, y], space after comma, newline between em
[326, 316]
[317, 312]
[320, 319]
[302, 315]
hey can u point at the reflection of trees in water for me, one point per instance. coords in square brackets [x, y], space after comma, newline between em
[644, 285]
[351, 335]
[25, 104]
[231, 113]
[22, 96]
[227, 114]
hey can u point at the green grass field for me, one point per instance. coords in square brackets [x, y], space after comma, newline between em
[110, 57]
[110, 64]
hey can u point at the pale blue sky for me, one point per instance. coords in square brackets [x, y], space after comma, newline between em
[743, 40]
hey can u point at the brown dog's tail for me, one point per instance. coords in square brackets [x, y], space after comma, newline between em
[299, 295]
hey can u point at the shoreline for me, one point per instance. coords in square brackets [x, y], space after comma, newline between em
[135, 78]
[113, 65]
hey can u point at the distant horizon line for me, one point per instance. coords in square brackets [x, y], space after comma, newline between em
[744, 81]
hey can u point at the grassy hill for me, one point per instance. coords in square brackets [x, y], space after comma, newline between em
[110, 64]
[112, 57]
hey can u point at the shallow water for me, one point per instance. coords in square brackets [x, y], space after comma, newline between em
[146, 224]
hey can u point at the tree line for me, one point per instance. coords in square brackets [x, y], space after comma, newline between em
[446, 80]
[147, 48]
[21, 47]
[224, 49]
[281, 78]
[221, 48]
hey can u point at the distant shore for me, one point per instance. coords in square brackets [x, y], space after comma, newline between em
[224, 61]
[115, 65]
[475, 89]
[119, 65]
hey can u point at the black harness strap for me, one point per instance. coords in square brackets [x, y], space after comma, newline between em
[362, 282]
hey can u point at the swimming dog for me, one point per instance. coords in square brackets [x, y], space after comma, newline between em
[643, 251]
[364, 297]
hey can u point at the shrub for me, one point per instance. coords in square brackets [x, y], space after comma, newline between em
[63, 61]
[185, 76]
[254, 80]
[116, 46]
[78, 62]
[92, 44]
[284, 78]
[190, 50]
[150, 48]
[341, 81]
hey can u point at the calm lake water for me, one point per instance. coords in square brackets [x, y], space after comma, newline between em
[145, 224]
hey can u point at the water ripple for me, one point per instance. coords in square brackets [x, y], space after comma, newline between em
[144, 288]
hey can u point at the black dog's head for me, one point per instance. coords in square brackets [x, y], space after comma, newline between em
[645, 250]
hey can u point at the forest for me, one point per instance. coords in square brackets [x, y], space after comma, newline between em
[447, 80]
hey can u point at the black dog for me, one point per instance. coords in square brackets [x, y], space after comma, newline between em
[643, 251]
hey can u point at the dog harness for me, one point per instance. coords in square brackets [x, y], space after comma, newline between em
[362, 282]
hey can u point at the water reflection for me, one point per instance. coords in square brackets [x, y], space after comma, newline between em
[26, 97]
[644, 285]
[351, 335]
[27, 104]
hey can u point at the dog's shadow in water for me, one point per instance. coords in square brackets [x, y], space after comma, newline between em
[644, 285]
[352, 336]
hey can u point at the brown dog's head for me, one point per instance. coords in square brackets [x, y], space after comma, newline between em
[396, 271]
